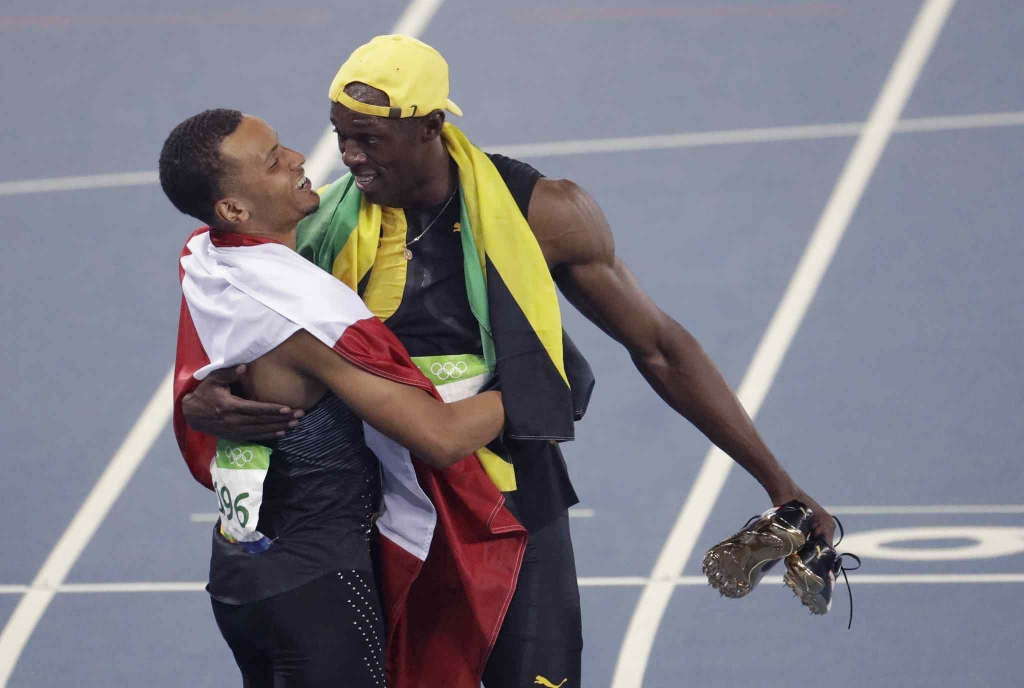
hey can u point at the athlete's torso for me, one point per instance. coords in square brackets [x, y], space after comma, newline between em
[435, 319]
[319, 497]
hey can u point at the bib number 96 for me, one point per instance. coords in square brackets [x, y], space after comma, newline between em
[230, 508]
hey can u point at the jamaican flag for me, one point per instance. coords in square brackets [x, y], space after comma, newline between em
[545, 382]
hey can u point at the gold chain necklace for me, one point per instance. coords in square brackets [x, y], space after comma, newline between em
[408, 253]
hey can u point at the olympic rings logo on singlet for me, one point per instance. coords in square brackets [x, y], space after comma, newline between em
[449, 370]
[240, 457]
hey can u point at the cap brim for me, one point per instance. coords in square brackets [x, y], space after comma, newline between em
[453, 108]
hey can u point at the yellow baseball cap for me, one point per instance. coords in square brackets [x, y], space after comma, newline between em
[413, 74]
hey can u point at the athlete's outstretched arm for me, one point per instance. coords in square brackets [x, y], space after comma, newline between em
[441, 434]
[578, 245]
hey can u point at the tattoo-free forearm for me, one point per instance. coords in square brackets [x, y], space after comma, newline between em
[686, 378]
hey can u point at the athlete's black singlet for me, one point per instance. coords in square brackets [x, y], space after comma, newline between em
[319, 497]
[434, 318]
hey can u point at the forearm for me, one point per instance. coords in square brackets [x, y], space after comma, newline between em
[443, 434]
[473, 423]
[685, 377]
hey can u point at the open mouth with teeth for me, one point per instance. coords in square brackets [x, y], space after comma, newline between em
[303, 184]
[365, 179]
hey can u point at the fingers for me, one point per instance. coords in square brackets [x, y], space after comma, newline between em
[237, 431]
[223, 377]
[260, 411]
[237, 425]
[264, 436]
[825, 527]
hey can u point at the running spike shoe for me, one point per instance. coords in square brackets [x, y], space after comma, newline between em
[736, 565]
[811, 574]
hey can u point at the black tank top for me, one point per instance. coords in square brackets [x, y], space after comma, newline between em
[319, 497]
[435, 318]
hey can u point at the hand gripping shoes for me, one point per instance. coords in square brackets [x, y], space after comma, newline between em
[736, 565]
[811, 574]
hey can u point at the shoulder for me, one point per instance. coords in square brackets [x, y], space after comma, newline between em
[569, 224]
[519, 177]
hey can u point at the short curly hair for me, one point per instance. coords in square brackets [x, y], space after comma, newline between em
[191, 167]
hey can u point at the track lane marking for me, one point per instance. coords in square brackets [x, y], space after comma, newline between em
[584, 581]
[34, 602]
[623, 144]
[646, 619]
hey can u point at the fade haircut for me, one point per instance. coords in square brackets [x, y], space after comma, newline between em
[191, 167]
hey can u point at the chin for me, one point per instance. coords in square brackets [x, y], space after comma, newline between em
[312, 207]
[382, 197]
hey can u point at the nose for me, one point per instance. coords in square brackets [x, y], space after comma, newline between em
[351, 153]
[297, 160]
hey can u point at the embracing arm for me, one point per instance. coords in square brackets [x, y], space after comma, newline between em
[441, 434]
[578, 245]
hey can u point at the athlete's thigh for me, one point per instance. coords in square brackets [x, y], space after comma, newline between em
[329, 632]
[242, 628]
[541, 639]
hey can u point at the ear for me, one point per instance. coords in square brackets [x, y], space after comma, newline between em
[230, 211]
[432, 126]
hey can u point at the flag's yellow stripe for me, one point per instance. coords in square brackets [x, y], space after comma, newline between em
[503, 235]
[500, 471]
[386, 286]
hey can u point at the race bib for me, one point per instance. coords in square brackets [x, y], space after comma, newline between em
[238, 472]
[460, 377]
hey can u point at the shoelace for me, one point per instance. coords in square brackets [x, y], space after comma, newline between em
[839, 568]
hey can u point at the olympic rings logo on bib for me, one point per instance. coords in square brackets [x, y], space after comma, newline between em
[449, 370]
[239, 457]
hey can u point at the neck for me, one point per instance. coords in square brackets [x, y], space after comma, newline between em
[441, 178]
[285, 235]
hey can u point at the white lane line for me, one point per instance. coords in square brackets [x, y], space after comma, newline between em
[730, 137]
[416, 17]
[91, 181]
[893, 579]
[643, 626]
[574, 512]
[686, 140]
[959, 122]
[183, 586]
[937, 509]
[613, 581]
[584, 581]
[83, 526]
[325, 156]
[321, 162]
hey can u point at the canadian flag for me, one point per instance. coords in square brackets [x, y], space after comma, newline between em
[450, 550]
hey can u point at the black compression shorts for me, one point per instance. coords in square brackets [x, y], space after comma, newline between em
[541, 639]
[328, 632]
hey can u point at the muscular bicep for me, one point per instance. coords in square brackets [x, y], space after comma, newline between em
[579, 247]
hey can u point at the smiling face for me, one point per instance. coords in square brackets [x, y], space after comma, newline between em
[264, 186]
[385, 156]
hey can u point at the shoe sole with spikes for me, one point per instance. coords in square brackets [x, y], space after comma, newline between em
[736, 565]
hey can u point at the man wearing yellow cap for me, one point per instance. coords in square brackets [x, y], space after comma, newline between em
[459, 253]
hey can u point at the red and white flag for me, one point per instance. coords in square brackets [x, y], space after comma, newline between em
[450, 551]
